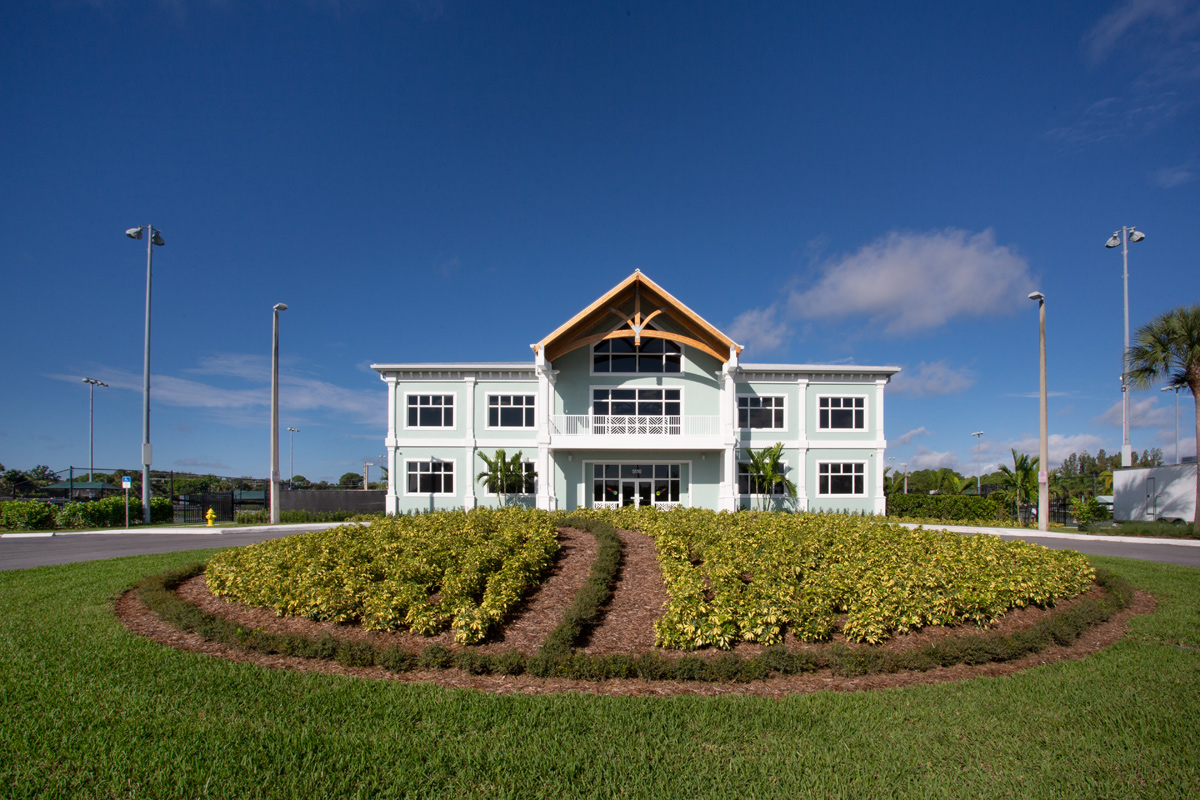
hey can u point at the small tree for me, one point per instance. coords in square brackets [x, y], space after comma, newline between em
[767, 474]
[1021, 477]
[1169, 347]
[504, 475]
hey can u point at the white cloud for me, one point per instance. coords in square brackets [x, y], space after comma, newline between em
[1145, 413]
[908, 282]
[907, 438]
[759, 330]
[1170, 177]
[925, 458]
[296, 392]
[927, 380]
[1058, 446]
[1163, 18]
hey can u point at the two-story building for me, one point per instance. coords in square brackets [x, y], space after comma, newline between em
[636, 400]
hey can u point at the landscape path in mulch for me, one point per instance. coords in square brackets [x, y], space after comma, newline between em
[638, 598]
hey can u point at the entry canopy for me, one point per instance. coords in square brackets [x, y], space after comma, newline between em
[635, 307]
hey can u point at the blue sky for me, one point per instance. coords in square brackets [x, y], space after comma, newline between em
[869, 183]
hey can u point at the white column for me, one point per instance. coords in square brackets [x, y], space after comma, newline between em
[881, 452]
[801, 478]
[727, 495]
[546, 499]
[392, 499]
[468, 414]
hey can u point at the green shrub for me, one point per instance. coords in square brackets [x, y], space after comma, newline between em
[1087, 510]
[946, 507]
[26, 515]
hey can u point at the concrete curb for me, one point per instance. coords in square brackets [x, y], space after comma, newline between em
[1079, 537]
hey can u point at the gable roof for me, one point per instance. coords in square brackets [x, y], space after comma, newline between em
[647, 300]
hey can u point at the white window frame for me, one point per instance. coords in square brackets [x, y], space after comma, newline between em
[611, 386]
[865, 409]
[487, 411]
[865, 474]
[528, 465]
[738, 411]
[781, 491]
[440, 393]
[682, 358]
[431, 460]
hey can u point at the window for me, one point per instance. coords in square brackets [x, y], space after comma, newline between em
[431, 411]
[760, 412]
[636, 402]
[528, 487]
[840, 478]
[842, 413]
[510, 411]
[622, 355]
[430, 477]
[748, 485]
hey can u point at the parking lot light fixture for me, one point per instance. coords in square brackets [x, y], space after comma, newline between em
[1121, 239]
[154, 239]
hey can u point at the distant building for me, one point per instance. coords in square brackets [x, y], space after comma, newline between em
[635, 400]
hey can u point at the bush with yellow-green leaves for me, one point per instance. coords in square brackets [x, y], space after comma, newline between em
[461, 569]
[750, 577]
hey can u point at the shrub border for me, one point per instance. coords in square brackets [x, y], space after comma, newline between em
[557, 657]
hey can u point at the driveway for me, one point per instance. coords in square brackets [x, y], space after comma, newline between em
[19, 551]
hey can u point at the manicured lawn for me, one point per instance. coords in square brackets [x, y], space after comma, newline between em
[90, 710]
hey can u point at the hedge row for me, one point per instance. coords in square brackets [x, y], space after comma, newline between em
[35, 515]
[946, 507]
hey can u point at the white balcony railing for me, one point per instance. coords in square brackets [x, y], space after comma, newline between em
[671, 425]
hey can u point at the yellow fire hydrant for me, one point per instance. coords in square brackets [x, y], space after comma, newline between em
[211, 516]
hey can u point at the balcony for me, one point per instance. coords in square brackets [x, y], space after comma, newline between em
[610, 432]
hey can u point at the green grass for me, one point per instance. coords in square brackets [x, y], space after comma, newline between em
[90, 710]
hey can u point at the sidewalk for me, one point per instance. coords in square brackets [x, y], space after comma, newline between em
[1078, 537]
[182, 529]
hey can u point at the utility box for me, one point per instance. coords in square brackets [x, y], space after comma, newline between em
[1146, 494]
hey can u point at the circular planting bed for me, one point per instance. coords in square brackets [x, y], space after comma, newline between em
[581, 604]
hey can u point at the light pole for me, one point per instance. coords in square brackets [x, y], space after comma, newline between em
[978, 468]
[93, 383]
[1043, 446]
[1122, 238]
[292, 454]
[275, 411]
[366, 468]
[1175, 389]
[155, 238]
[904, 464]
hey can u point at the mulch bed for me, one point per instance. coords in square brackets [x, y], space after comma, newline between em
[627, 627]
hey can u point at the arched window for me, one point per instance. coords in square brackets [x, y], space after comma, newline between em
[653, 355]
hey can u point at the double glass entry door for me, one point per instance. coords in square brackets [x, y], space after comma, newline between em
[637, 492]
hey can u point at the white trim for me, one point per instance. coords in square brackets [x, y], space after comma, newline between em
[453, 462]
[866, 477]
[738, 412]
[451, 393]
[487, 409]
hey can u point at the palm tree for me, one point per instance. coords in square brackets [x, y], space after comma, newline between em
[947, 481]
[504, 475]
[767, 473]
[1169, 347]
[1021, 476]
